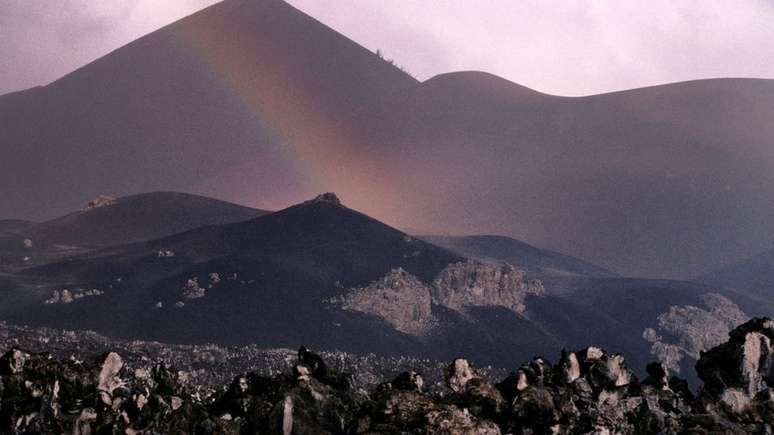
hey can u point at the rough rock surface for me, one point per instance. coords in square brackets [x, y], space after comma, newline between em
[406, 303]
[327, 197]
[100, 201]
[686, 331]
[588, 391]
[399, 298]
[466, 284]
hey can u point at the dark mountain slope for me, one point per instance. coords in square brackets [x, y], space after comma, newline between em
[752, 279]
[537, 261]
[255, 102]
[281, 279]
[13, 225]
[136, 218]
[274, 272]
[239, 81]
[666, 181]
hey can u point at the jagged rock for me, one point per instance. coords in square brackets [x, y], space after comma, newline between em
[109, 379]
[658, 376]
[588, 391]
[399, 298]
[745, 362]
[408, 381]
[609, 372]
[459, 374]
[12, 363]
[406, 303]
[454, 421]
[468, 284]
[569, 367]
[100, 201]
[739, 375]
[693, 329]
[66, 296]
[311, 363]
[192, 290]
[328, 197]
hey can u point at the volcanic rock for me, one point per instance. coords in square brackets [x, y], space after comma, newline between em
[587, 391]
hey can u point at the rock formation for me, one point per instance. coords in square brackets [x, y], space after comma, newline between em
[467, 284]
[328, 197]
[100, 201]
[399, 298]
[587, 391]
[66, 296]
[685, 331]
[405, 302]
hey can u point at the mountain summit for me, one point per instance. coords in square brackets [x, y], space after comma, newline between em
[257, 103]
[187, 107]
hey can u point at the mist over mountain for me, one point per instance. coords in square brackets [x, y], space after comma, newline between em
[257, 103]
[165, 200]
[241, 81]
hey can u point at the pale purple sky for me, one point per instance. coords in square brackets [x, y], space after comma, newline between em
[561, 47]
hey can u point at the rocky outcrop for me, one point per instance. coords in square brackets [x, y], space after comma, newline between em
[193, 290]
[405, 302]
[328, 197]
[399, 298]
[67, 296]
[586, 391]
[470, 284]
[100, 201]
[739, 377]
[685, 331]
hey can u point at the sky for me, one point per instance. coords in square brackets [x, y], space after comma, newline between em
[560, 47]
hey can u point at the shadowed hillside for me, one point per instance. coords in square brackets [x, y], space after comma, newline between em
[257, 103]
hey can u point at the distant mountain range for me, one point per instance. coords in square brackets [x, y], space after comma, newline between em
[752, 279]
[257, 103]
[322, 274]
[538, 262]
[108, 221]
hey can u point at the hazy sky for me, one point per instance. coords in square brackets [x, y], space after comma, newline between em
[563, 47]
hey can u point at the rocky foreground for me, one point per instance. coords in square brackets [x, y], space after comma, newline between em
[589, 391]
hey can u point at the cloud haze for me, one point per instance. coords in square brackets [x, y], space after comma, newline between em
[562, 47]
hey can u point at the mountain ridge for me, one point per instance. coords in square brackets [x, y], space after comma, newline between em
[293, 108]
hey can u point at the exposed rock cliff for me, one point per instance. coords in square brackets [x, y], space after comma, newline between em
[685, 331]
[467, 284]
[406, 303]
[399, 298]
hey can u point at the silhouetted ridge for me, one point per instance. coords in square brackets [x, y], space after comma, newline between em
[109, 221]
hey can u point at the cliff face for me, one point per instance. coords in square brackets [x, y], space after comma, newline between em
[467, 284]
[399, 298]
[406, 303]
[684, 332]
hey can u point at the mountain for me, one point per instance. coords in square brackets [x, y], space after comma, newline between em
[322, 274]
[107, 221]
[13, 225]
[240, 81]
[257, 103]
[752, 279]
[666, 181]
[537, 261]
[246, 282]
